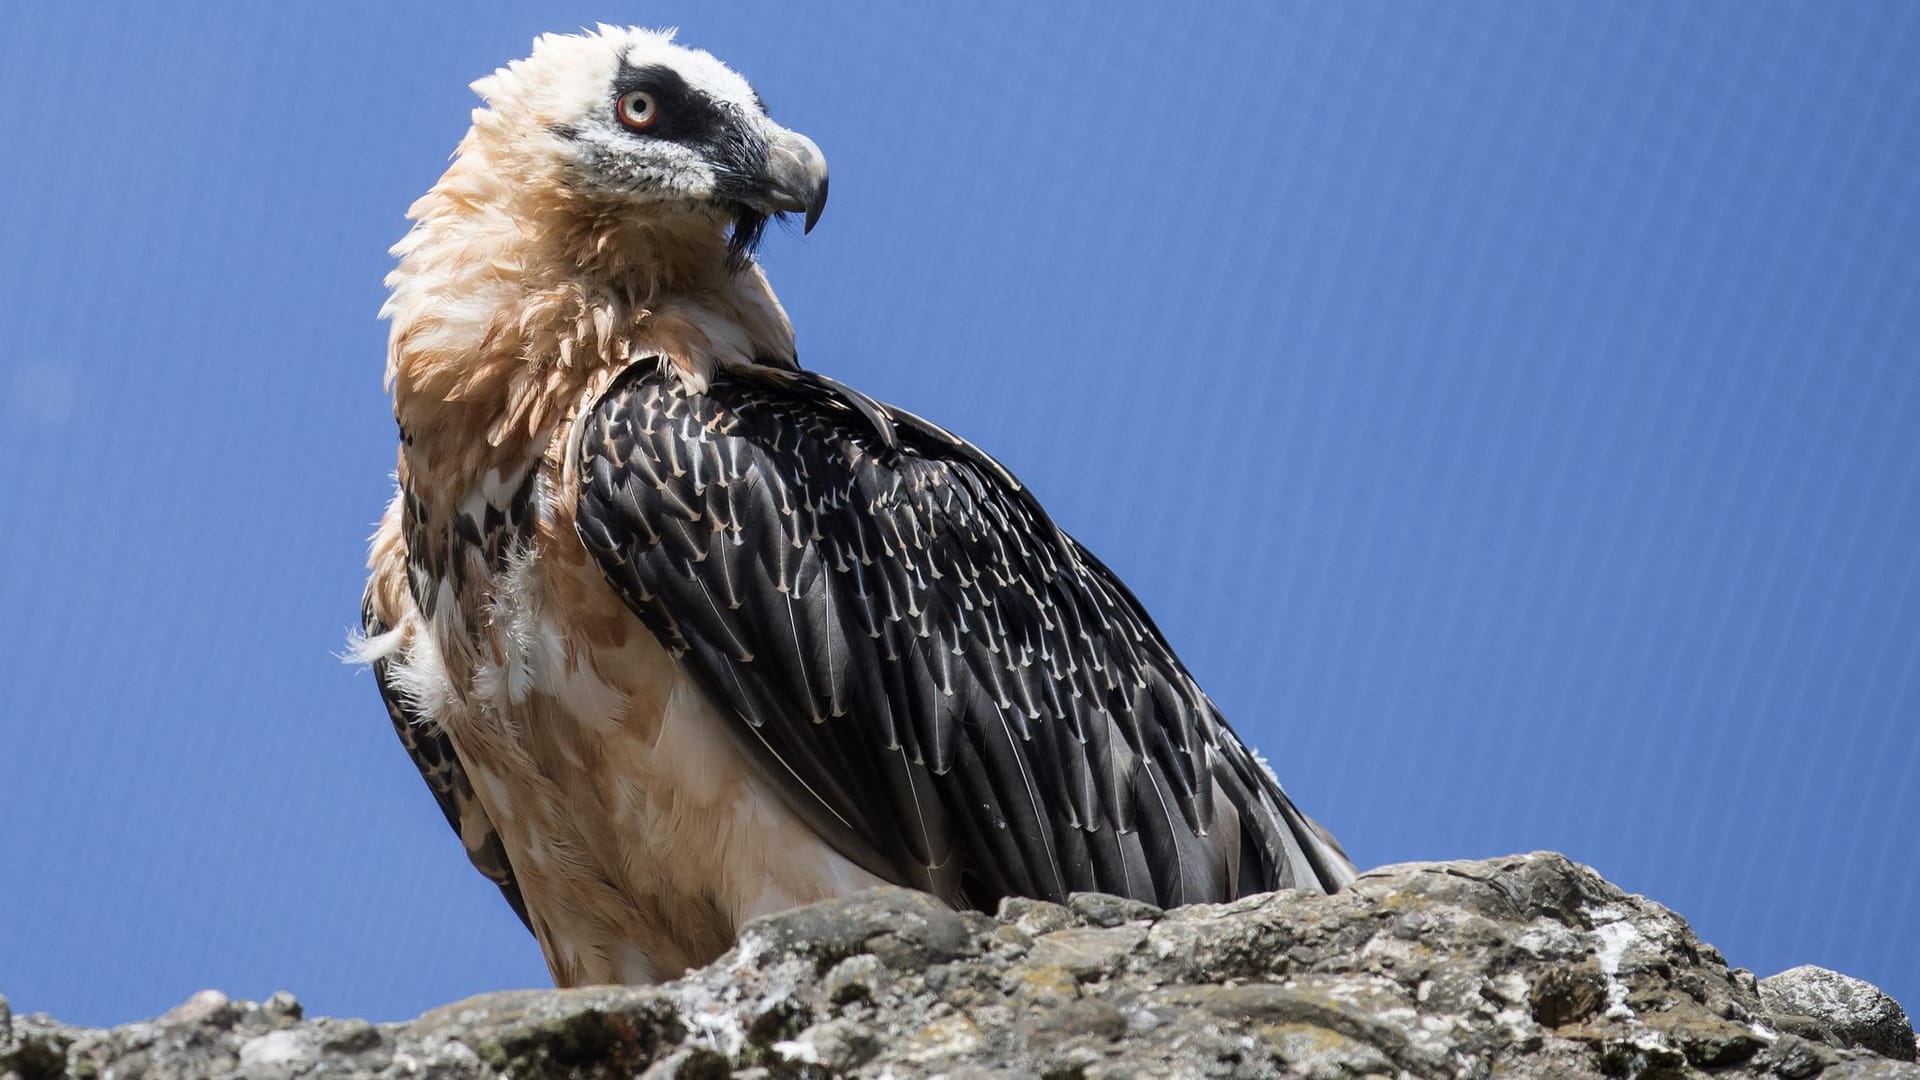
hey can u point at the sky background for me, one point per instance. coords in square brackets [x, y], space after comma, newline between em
[1510, 412]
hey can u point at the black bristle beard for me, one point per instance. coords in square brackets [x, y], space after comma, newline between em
[749, 226]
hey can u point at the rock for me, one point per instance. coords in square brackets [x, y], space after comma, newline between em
[1854, 1013]
[283, 1008]
[207, 1006]
[1034, 917]
[1101, 909]
[1529, 966]
[1087, 952]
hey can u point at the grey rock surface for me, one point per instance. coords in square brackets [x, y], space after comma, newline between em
[1528, 966]
[1851, 1012]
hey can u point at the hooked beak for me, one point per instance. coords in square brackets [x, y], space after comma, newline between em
[795, 180]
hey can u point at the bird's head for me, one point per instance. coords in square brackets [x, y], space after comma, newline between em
[625, 121]
[604, 207]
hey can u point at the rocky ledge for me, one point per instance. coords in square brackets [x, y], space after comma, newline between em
[1529, 966]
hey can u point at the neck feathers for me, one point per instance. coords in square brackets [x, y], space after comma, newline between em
[512, 300]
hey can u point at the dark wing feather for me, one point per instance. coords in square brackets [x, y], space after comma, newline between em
[432, 753]
[955, 693]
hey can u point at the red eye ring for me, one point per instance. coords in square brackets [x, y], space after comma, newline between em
[637, 109]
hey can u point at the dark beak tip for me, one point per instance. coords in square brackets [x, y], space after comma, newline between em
[815, 207]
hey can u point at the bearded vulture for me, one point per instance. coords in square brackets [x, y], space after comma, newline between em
[680, 633]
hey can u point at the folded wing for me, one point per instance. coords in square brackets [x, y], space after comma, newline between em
[955, 693]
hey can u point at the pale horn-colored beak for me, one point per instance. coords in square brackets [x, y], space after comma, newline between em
[796, 176]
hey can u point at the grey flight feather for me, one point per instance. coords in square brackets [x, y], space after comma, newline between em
[954, 692]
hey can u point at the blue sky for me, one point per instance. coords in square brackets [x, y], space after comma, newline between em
[1510, 412]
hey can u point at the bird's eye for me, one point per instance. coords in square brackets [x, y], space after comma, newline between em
[637, 109]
